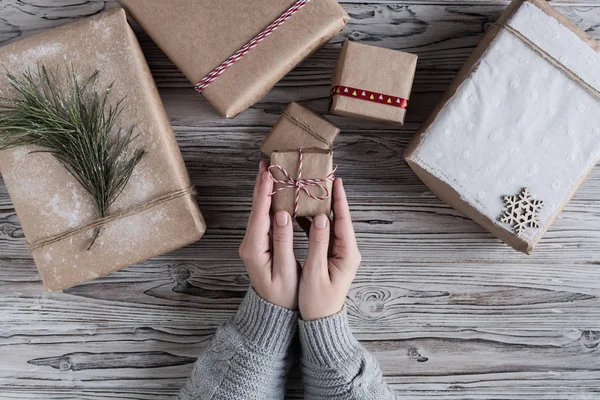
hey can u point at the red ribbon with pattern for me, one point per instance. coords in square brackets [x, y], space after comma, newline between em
[300, 184]
[217, 72]
[374, 97]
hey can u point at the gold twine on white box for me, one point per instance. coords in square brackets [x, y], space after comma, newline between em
[548, 57]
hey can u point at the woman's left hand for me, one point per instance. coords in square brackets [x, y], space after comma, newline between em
[273, 270]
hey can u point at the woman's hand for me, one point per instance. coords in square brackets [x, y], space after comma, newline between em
[326, 278]
[273, 270]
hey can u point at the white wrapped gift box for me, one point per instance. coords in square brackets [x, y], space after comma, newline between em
[523, 113]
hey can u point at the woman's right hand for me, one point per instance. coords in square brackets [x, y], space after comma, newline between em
[326, 277]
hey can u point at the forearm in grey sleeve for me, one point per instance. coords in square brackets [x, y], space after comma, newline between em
[335, 366]
[247, 359]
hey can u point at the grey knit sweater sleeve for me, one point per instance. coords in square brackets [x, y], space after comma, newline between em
[247, 359]
[335, 366]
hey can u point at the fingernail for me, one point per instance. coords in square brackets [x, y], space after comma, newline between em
[282, 218]
[321, 221]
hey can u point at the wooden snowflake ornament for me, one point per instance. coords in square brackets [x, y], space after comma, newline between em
[522, 212]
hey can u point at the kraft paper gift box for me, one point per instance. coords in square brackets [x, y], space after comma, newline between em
[50, 202]
[317, 164]
[524, 113]
[299, 127]
[372, 83]
[199, 35]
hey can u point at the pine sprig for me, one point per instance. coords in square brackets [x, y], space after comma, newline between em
[71, 120]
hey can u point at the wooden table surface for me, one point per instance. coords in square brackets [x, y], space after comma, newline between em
[449, 311]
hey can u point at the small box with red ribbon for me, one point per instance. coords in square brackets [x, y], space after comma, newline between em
[372, 83]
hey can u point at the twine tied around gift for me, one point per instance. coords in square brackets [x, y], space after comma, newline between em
[101, 222]
[299, 184]
[548, 57]
[306, 128]
[218, 71]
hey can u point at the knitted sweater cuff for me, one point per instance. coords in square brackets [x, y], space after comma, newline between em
[269, 327]
[328, 341]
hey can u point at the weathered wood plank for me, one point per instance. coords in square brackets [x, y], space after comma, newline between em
[449, 361]
[395, 298]
[479, 390]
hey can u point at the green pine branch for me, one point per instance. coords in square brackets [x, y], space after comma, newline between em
[71, 120]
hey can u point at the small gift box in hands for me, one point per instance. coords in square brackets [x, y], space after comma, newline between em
[303, 181]
[301, 162]
[372, 83]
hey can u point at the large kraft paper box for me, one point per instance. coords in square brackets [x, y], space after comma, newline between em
[199, 35]
[49, 201]
[524, 112]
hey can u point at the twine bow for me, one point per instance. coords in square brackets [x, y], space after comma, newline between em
[299, 184]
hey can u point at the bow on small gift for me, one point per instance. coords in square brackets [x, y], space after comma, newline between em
[300, 184]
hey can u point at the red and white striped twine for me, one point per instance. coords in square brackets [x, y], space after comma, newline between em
[215, 73]
[301, 184]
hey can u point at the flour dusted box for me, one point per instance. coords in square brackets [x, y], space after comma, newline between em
[524, 113]
[158, 210]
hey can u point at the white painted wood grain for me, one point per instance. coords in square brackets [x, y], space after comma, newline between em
[449, 311]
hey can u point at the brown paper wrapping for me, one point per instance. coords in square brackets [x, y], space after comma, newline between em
[317, 164]
[375, 69]
[441, 189]
[198, 35]
[297, 128]
[49, 201]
